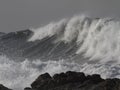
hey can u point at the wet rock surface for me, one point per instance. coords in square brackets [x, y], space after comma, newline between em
[4, 88]
[74, 81]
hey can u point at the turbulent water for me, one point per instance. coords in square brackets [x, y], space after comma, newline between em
[80, 43]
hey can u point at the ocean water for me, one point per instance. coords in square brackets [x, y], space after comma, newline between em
[79, 43]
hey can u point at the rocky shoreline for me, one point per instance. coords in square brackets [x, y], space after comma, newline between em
[72, 81]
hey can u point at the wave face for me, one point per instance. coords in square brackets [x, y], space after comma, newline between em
[96, 39]
[80, 43]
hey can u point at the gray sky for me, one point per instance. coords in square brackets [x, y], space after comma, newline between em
[22, 14]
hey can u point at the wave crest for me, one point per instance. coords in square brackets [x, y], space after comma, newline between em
[97, 38]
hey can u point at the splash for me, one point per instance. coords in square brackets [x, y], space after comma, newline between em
[97, 38]
[18, 75]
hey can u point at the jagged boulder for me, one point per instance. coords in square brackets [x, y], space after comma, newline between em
[74, 81]
[42, 81]
[108, 84]
[69, 77]
[4, 88]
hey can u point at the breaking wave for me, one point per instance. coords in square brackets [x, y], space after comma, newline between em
[97, 39]
[80, 43]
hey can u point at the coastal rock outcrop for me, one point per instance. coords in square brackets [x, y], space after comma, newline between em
[74, 81]
[4, 88]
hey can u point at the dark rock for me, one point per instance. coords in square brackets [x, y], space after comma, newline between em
[4, 88]
[60, 79]
[74, 81]
[75, 77]
[95, 78]
[41, 81]
[108, 84]
[27, 88]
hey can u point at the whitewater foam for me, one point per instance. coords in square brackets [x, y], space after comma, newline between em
[18, 75]
[98, 39]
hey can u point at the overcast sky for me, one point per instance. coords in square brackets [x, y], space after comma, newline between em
[22, 14]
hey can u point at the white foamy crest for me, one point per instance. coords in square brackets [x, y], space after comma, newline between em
[99, 39]
[102, 41]
[49, 30]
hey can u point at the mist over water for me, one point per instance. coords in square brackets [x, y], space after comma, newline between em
[20, 75]
[92, 44]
